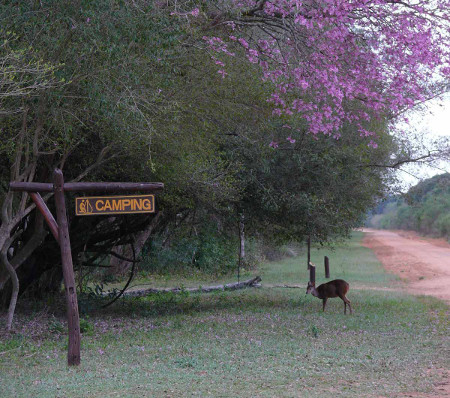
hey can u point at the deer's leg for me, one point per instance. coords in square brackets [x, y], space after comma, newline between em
[349, 306]
[324, 301]
[346, 301]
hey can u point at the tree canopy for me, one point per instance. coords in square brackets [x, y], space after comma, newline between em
[322, 55]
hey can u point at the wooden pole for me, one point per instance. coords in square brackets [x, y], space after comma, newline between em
[241, 227]
[89, 186]
[309, 251]
[239, 261]
[48, 216]
[327, 267]
[31, 186]
[73, 318]
[312, 273]
[114, 186]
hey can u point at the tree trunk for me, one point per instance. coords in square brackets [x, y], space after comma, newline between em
[241, 238]
[15, 287]
[21, 255]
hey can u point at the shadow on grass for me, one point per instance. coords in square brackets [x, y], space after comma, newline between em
[259, 301]
[164, 304]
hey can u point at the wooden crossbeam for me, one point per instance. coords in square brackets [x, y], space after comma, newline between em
[48, 216]
[89, 186]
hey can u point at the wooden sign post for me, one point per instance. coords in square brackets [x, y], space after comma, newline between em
[73, 318]
[60, 228]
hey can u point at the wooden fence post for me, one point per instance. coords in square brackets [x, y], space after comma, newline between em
[73, 318]
[327, 267]
[309, 251]
[312, 273]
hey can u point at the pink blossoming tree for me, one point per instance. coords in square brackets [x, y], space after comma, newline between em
[339, 61]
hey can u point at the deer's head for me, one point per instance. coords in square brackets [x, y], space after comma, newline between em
[311, 287]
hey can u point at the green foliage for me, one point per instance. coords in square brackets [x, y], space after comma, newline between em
[442, 224]
[425, 209]
[23, 73]
[206, 250]
[15, 342]
[56, 326]
[315, 331]
[318, 187]
[86, 327]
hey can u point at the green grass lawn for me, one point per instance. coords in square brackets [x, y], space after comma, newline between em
[267, 342]
[349, 261]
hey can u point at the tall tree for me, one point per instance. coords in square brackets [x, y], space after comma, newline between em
[387, 55]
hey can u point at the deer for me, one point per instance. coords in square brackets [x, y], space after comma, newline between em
[336, 288]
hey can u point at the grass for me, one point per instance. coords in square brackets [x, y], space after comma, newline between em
[268, 342]
[349, 261]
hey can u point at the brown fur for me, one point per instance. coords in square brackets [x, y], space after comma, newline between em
[336, 288]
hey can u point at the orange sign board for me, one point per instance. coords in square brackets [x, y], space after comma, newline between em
[98, 205]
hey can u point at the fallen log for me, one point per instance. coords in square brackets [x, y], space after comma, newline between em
[254, 282]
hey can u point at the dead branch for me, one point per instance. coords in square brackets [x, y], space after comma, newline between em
[254, 282]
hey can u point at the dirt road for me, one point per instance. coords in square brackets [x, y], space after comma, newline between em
[422, 262]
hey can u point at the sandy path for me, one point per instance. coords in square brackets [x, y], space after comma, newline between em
[424, 263]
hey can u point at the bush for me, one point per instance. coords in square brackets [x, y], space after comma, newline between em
[56, 326]
[86, 327]
[443, 225]
[425, 209]
[207, 251]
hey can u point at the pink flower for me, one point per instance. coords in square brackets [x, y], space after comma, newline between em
[223, 73]
[232, 25]
[218, 62]
[273, 144]
[195, 12]
[291, 140]
[243, 42]
[303, 84]
[252, 56]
